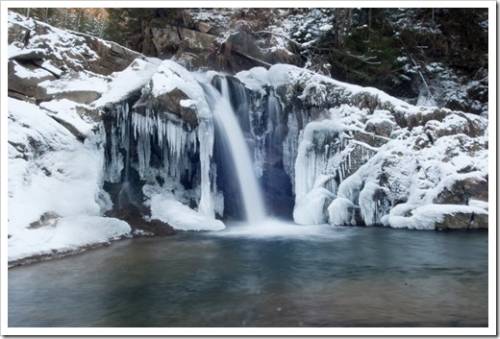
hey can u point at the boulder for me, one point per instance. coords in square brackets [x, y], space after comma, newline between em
[112, 57]
[463, 220]
[381, 127]
[172, 102]
[462, 190]
[420, 118]
[133, 216]
[21, 83]
[456, 123]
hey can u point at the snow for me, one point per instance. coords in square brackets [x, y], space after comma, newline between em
[66, 110]
[340, 212]
[58, 174]
[68, 234]
[65, 47]
[426, 216]
[282, 74]
[132, 78]
[170, 75]
[417, 177]
[26, 73]
[81, 81]
[310, 209]
[166, 208]
[326, 28]
[50, 170]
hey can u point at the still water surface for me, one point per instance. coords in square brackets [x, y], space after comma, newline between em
[323, 277]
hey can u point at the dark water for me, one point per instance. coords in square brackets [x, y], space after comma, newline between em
[347, 277]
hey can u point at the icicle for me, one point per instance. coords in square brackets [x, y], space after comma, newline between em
[206, 141]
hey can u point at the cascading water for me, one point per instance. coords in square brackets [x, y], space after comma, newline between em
[233, 137]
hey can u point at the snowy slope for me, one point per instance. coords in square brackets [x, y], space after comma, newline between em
[51, 172]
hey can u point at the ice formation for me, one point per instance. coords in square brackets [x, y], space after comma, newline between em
[348, 155]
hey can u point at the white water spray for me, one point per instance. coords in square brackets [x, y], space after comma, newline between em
[233, 137]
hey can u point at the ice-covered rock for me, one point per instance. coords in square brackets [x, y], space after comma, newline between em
[391, 152]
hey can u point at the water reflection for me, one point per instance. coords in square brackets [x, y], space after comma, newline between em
[328, 277]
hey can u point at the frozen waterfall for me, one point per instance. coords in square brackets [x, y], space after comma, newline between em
[233, 137]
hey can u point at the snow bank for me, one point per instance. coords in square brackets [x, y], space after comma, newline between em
[50, 171]
[73, 82]
[69, 234]
[427, 216]
[167, 209]
[66, 110]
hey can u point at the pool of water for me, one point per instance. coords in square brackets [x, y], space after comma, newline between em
[280, 276]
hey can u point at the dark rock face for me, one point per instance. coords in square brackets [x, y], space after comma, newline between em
[193, 47]
[135, 156]
[171, 102]
[27, 87]
[199, 45]
[112, 56]
[462, 220]
[134, 217]
[278, 193]
[463, 190]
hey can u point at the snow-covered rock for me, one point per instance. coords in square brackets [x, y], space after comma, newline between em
[387, 154]
[112, 127]
[51, 172]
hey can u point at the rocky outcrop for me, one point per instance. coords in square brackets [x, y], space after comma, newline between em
[389, 156]
[40, 53]
[134, 217]
[175, 102]
[462, 189]
[324, 151]
[463, 220]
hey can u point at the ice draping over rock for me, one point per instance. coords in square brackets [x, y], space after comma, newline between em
[113, 126]
[157, 128]
[379, 152]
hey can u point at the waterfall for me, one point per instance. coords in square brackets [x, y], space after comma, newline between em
[233, 138]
